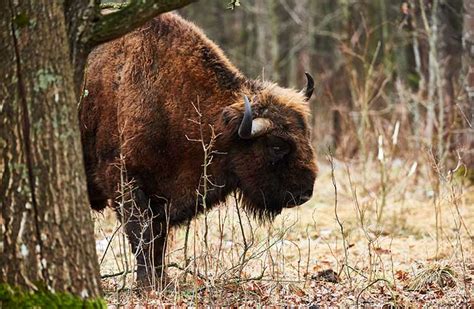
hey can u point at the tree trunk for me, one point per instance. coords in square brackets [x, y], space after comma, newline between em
[281, 46]
[46, 233]
[449, 45]
[468, 67]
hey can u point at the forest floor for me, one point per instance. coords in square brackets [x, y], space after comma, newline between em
[406, 240]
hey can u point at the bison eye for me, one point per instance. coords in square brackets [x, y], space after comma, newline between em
[278, 148]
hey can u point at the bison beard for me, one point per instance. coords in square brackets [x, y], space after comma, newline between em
[144, 91]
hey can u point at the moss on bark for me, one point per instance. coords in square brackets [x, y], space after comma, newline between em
[13, 297]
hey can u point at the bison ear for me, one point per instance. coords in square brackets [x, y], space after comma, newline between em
[231, 113]
[233, 116]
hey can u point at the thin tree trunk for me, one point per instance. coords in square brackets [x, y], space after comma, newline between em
[444, 31]
[449, 58]
[261, 30]
[274, 12]
[282, 43]
[468, 66]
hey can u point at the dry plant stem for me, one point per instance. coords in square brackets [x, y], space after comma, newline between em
[185, 250]
[436, 187]
[244, 239]
[358, 271]
[165, 244]
[365, 102]
[341, 226]
[355, 199]
[186, 270]
[383, 184]
[308, 255]
[298, 263]
[195, 265]
[109, 242]
[204, 193]
[109, 246]
[201, 192]
[361, 218]
[120, 273]
[269, 256]
[368, 286]
[221, 222]
[262, 249]
[458, 227]
[122, 189]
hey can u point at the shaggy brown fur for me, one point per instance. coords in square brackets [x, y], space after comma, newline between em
[141, 92]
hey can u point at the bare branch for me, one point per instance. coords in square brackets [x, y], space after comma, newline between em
[135, 14]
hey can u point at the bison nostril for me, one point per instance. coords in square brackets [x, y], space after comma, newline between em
[299, 198]
[303, 199]
[308, 193]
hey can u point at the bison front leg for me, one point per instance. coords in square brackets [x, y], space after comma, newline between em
[146, 228]
[149, 249]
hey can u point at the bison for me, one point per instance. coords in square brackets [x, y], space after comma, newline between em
[158, 97]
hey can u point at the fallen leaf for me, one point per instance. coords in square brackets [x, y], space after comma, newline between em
[379, 250]
[401, 275]
[198, 281]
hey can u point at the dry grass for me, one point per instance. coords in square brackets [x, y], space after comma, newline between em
[415, 251]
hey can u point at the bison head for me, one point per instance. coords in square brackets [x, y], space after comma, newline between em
[269, 153]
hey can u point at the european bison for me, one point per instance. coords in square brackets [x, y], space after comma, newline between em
[140, 122]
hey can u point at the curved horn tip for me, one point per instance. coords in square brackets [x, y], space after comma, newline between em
[245, 128]
[309, 86]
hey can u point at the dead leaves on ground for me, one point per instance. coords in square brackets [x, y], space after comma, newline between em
[428, 285]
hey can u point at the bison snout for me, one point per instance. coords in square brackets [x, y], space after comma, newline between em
[298, 198]
[306, 196]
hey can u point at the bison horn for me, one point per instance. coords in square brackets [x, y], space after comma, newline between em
[252, 127]
[309, 86]
[245, 129]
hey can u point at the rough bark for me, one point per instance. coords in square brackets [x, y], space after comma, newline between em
[134, 15]
[80, 16]
[46, 233]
